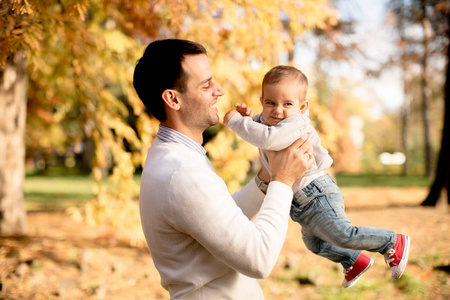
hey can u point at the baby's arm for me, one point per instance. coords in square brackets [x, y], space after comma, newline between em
[273, 138]
[228, 116]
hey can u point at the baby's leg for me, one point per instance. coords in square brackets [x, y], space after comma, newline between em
[346, 257]
[330, 223]
[320, 208]
[354, 262]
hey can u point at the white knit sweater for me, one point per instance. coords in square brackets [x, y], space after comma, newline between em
[201, 238]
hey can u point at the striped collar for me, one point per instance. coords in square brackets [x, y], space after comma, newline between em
[171, 135]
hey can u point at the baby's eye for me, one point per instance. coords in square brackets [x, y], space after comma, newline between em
[288, 104]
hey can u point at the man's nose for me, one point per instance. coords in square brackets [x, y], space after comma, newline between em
[218, 90]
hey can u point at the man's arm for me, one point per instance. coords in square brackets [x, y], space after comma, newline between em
[274, 138]
[258, 186]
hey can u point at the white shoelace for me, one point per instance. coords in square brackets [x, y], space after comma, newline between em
[347, 270]
[388, 257]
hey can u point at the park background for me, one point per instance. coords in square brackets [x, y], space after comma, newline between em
[73, 135]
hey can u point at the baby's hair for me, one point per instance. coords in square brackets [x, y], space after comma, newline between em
[280, 73]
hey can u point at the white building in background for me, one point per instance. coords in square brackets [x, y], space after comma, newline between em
[388, 159]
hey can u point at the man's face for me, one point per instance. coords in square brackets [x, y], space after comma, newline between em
[281, 100]
[200, 98]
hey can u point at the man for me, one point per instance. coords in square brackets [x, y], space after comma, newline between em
[201, 238]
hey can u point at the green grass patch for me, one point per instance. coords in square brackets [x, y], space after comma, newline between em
[409, 285]
[56, 193]
[366, 180]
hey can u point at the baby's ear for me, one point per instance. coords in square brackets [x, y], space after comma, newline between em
[304, 106]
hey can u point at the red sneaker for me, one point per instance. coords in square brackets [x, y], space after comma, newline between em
[352, 274]
[397, 256]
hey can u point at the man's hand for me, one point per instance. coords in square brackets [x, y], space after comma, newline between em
[291, 163]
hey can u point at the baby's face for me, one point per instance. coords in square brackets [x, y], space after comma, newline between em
[281, 100]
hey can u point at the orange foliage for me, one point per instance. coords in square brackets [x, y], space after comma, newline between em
[345, 154]
[83, 53]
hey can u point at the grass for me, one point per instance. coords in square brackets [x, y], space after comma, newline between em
[366, 180]
[58, 192]
[55, 193]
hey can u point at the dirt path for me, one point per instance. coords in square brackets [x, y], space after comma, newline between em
[63, 259]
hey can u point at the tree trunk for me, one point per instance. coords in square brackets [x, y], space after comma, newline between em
[405, 130]
[442, 179]
[406, 108]
[13, 108]
[426, 91]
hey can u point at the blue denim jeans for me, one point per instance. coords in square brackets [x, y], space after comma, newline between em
[326, 229]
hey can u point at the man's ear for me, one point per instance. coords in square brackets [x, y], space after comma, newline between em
[171, 98]
[304, 106]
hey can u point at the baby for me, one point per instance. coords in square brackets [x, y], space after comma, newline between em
[318, 204]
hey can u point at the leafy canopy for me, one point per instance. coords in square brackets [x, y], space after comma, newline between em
[81, 56]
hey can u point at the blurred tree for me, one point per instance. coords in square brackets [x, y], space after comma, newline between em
[426, 86]
[422, 51]
[81, 54]
[13, 87]
[351, 115]
[64, 53]
[442, 179]
[335, 46]
[405, 110]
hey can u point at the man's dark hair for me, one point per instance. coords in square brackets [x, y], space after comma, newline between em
[160, 69]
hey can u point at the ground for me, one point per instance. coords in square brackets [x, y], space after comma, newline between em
[64, 259]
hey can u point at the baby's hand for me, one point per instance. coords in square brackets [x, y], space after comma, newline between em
[244, 110]
[240, 108]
